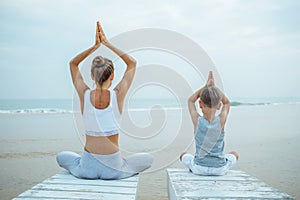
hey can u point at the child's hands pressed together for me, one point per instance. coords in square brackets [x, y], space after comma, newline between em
[210, 80]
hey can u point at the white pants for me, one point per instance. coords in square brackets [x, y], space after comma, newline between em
[188, 161]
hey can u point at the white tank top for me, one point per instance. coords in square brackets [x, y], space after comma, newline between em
[101, 122]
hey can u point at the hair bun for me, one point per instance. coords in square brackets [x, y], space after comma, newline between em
[101, 69]
[98, 61]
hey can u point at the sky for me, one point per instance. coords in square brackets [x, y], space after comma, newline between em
[255, 45]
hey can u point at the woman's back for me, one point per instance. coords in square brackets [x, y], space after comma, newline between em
[101, 119]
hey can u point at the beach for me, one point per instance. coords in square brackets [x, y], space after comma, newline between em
[265, 136]
[155, 55]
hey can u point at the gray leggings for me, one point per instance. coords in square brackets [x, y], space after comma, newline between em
[98, 166]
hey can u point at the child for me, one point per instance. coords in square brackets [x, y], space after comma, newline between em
[209, 158]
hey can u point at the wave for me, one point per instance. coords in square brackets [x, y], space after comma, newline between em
[133, 109]
[154, 109]
[238, 103]
[37, 111]
[61, 111]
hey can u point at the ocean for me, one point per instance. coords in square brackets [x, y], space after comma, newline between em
[60, 106]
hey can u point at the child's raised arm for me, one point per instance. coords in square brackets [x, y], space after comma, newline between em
[225, 110]
[192, 108]
[225, 101]
[191, 101]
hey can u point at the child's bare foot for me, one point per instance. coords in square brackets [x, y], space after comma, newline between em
[235, 154]
[182, 154]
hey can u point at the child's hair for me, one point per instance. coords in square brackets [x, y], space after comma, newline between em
[101, 69]
[211, 96]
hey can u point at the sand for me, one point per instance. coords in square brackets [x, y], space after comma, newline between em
[266, 137]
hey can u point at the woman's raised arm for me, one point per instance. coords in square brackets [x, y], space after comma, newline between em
[122, 87]
[77, 79]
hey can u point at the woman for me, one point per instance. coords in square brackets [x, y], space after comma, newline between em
[101, 110]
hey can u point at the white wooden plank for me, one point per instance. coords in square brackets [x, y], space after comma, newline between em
[90, 182]
[231, 198]
[235, 185]
[229, 173]
[220, 193]
[65, 186]
[86, 188]
[227, 186]
[68, 176]
[37, 198]
[44, 194]
[181, 177]
[42, 198]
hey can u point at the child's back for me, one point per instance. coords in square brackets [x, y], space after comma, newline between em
[209, 158]
[209, 143]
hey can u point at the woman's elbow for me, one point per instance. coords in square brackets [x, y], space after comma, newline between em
[72, 64]
[133, 62]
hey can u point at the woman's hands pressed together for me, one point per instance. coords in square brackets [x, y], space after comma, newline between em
[102, 36]
[97, 39]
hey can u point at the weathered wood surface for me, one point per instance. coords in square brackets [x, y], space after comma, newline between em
[65, 186]
[183, 185]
